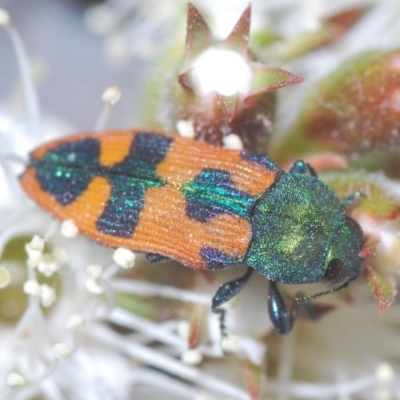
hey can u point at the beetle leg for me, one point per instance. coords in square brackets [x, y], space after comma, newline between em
[281, 317]
[352, 199]
[301, 167]
[225, 293]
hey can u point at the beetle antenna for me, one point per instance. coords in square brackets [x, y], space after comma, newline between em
[316, 295]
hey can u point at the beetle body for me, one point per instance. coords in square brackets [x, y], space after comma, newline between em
[206, 207]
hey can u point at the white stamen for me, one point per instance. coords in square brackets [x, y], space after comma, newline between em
[186, 128]
[76, 321]
[192, 357]
[233, 142]
[30, 95]
[5, 277]
[60, 255]
[94, 286]
[230, 344]
[51, 229]
[94, 271]
[4, 17]
[36, 244]
[48, 265]
[47, 295]
[184, 329]
[110, 96]
[69, 229]
[125, 258]
[93, 283]
[31, 287]
[15, 379]
[62, 350]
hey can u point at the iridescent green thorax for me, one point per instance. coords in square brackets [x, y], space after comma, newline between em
[298, 227]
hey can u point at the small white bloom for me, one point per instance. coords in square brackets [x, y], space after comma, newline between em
[125, 258]
[47, 295]
[62, 350]
[69, 229]
[192, 357]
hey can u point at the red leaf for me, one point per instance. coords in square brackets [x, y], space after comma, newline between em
[238, 39]
[198, 34]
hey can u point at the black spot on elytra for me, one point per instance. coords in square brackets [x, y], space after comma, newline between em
[216, 259]
[213, 192]
[130, 179]
[66, 171]
[260, 159]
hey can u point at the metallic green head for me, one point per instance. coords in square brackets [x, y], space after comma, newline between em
[301, 234]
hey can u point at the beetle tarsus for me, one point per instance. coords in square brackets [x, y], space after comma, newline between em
[154, 258]
[225, 293]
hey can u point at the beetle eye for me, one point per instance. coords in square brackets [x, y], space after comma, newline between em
[354, 226]
[336, 271]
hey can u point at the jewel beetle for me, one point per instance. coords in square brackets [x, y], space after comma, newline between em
[206, 207]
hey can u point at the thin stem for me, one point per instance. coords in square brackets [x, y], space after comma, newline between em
[30, 94]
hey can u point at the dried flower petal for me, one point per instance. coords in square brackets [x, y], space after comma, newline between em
[196, 324]
[383, 287]
[253, 378]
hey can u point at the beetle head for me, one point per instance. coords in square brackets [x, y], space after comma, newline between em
[301, 234]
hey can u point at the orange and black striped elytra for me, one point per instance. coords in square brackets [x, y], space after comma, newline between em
[204, 206]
